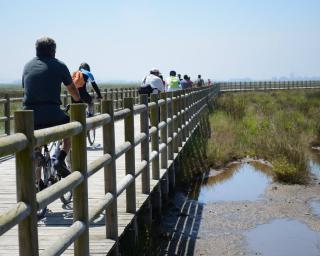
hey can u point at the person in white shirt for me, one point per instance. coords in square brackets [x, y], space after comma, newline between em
[152, 83]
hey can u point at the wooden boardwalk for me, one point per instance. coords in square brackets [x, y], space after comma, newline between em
[59, 216]
[106, 200]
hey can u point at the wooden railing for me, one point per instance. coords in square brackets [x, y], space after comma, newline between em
[267, 85]
[179, 116]
[116, 94]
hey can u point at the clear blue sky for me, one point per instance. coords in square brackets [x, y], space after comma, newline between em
[122, 40]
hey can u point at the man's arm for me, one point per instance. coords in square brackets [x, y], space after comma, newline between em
[73, 92]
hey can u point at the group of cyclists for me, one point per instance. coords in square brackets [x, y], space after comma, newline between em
[42, 78]
[154, 83]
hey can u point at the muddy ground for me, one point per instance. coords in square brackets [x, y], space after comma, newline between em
[192, 228]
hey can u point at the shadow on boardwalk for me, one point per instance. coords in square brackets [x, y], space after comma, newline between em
[181, 226]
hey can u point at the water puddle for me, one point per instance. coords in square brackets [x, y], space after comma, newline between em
[314, 167]
[283, 237]
[239, 182]
[315, 207]
[314, 162]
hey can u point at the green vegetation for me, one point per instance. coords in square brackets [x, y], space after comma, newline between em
[276, 126]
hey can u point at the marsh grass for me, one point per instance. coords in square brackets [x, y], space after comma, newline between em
[276, 126]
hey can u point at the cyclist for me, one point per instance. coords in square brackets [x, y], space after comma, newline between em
[81, 79]
[199, 82]
[186, 82]
[152, 83]
[41, 80]
[173, 82]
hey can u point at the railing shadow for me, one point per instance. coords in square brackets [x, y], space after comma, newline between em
[181, 224]
[65, 218]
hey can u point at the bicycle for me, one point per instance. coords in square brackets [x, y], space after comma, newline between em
[48, 175]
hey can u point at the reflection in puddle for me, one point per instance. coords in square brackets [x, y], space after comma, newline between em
[283, 237]
[239, 182]
[314, 167]
[314, 162]
[315, 207]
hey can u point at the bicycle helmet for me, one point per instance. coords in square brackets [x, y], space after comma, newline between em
[85, 66]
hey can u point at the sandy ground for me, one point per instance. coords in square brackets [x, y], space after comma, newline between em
[218, 229]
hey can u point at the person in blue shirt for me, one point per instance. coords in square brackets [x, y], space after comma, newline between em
[84, 95]
[41, 79]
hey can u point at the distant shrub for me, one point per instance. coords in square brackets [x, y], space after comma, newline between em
[287, 172]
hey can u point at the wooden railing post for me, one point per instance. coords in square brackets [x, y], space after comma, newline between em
[111, 96]
[180, 119]
[170, 125]
[80, 193]
[170, 145]
[154, 119]
[122, 97]
[137, 95]
[26, 192]
[164, 139]
[105, 96]
[175, 122]
[110, 175]
[194, 98]
[7, 114]
[130, 155]
[164, 131]
[145, 155]
[184, 118]
[117, 98]
[187, 116]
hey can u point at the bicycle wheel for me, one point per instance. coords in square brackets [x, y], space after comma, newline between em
[47, 177]
[91, 135]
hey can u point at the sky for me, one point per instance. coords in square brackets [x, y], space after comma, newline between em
[123, 40]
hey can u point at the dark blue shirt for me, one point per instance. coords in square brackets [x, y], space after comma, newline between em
[42, 78]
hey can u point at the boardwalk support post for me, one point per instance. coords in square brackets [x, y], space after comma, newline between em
[80, 193]
[130, 155]
[7, 114]
[164, 153]
[171, 171]
[128, 103]
[145, 156]
[154, 118]
[110, 176]
[26, 191]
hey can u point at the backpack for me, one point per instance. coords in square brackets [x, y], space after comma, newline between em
[77, 78]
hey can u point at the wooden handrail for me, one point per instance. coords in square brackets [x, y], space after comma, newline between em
[12, 144]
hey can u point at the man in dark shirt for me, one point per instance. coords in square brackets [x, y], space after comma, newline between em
[41, 79]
